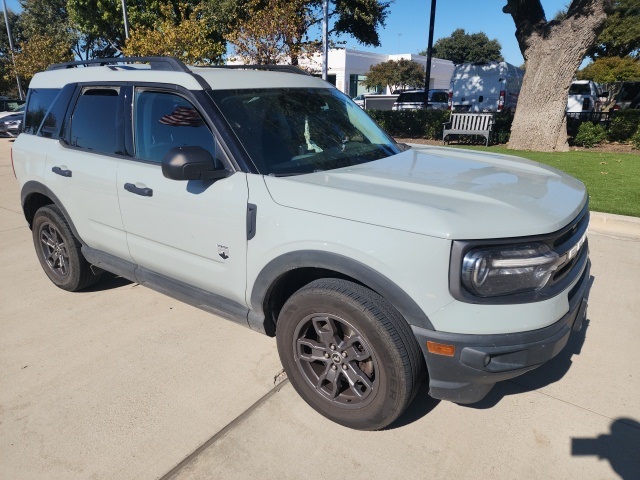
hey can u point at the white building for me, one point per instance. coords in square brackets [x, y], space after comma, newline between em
[347, 68]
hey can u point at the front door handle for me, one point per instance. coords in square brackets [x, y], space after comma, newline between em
[144, 191]
[62, 172]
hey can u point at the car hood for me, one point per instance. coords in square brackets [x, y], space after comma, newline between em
[441, 192]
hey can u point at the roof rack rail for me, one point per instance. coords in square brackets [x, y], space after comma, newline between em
[275, 68]
[157, 63]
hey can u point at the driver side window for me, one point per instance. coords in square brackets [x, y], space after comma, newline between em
[163, 121]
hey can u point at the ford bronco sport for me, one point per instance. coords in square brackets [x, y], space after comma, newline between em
[266, 196]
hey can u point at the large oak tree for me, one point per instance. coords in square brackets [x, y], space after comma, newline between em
[553, 51]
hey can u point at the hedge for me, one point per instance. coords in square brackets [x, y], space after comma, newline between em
[429, 124]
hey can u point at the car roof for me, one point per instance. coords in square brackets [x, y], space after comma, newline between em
[218, 78]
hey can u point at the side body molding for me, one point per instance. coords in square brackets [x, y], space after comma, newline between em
[364, 274]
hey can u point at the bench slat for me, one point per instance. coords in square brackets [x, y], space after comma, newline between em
[469, 124]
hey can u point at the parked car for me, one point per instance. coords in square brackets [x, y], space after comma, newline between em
[485, 87]
[585, 97]
[414, 100]
[359, 100]
[273, 200]
[17, 108]
[11, 124]
[628, 96]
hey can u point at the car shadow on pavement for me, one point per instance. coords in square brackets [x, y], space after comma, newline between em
[620, 447]
[548, 373]
[108, 281]
[421, 406]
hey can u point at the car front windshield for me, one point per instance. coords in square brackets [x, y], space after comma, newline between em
[290, 131]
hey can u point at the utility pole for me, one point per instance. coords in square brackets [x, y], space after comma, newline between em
[126, 19]
[429, 49]
[325, 39]
[6, 20]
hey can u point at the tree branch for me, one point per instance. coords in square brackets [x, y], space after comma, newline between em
[529, 17]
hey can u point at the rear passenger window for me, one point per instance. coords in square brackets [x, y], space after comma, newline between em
[164, 121]
[38, 102]
[93, 123]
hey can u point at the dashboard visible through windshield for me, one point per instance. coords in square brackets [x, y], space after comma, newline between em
[292, 131]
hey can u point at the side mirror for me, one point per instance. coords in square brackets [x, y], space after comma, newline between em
[191, 163]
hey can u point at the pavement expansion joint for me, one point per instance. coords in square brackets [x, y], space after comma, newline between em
[228, 428]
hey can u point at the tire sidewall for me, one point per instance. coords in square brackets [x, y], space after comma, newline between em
[48, 215]
[389, 385]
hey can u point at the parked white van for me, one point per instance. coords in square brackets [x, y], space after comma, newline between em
[485, 87]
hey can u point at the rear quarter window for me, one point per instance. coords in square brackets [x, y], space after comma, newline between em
[38, 102]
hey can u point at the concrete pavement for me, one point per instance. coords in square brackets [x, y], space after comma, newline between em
[121, 382]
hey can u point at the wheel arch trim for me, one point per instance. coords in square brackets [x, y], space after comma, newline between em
[32, 187]
[370, 278]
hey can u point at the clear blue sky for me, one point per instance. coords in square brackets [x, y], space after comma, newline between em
[407, 29]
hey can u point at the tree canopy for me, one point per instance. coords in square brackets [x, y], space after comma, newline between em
[611, 69]
[621, 34]
[359, 19]
[400, 74]
[184, 33]
[462, 47]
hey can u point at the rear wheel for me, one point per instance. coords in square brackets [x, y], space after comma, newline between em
[59, 251]
[348, 353]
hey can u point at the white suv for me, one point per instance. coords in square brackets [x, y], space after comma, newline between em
[268, 197]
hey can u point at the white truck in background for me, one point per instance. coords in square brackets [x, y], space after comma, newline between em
[485, 87]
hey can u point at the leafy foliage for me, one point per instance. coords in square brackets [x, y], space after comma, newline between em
[461, 47]
[359, 19]
[590, 134]
[400, 74]
[624, 125]
[411, 123]
[183, 33]
[40, 51]
[273, 32]
[103, 20]
[621, 34]
[8, 85]
[635, 140]
[611, 69]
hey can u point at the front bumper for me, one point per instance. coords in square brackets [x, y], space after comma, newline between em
[482, 360]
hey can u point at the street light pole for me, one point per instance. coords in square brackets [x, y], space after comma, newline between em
[126, 19]
[325, 39]
[6, 20]
[429, 49]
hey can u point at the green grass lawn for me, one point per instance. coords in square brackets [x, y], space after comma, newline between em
[613, 179]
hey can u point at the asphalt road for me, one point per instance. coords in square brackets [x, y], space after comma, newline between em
[120, 382]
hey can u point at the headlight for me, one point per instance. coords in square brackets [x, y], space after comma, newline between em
[489, 272]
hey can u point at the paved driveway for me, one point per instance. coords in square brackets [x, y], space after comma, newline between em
[120, 382]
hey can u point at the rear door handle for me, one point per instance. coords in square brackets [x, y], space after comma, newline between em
[62, 172]
[144, 191]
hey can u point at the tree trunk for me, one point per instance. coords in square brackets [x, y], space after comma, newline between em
[553, 52]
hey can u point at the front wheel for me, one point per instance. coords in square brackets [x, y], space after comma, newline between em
[348, 353]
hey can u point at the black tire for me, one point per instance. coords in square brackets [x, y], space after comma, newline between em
[59, 251]
[349, 354]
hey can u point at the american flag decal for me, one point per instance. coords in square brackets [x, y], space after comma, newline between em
[182, 117]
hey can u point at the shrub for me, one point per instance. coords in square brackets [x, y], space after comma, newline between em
[589, 134]
[635, 140]
[411, 123]
[624, 123]
[429, 123]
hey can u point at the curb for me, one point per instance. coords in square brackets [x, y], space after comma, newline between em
[618, 225]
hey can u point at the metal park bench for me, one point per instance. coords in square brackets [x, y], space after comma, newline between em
[469, 124]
